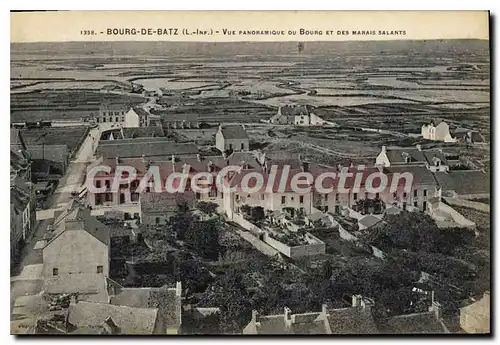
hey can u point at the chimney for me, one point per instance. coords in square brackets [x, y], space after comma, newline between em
[324, 309]
[178, 289]
[172, 159]
[143, 158]
[198, 157]
[73, 299]
[356, 301]
[117, 160]
[436, 307]
[419, 147]
[384, 149]
[224, 155]
[288, 316]
[255, 316]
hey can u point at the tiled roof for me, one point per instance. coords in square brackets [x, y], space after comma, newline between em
[130, 320]
[289, 110]
[149, 148]
[397, 155]
[431, 154]
[141, 112]
[234, 132]
[164, 202]
[55, 153]
[464, 181]
[369, 220]
[77, 217]
[163, 298]
[413, 324]
[351, 321]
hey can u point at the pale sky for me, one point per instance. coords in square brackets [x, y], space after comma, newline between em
[71, 25]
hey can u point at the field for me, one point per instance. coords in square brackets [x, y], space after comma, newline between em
[353, 84]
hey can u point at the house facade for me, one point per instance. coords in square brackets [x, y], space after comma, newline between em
[111, 113]
[139, 117]
[78, 244]
[232, 138]
[298, 115]
[441, 132]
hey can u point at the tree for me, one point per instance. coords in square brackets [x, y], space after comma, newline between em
[203, 238]
[207, 207]
[257, 213]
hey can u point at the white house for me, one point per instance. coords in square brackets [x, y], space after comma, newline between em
[138, 117]
[441, 132]
[234, 138]
[298, 115]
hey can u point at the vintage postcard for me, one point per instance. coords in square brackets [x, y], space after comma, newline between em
[250, 172]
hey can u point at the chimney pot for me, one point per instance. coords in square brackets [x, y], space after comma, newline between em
[356, 301]
[178, 289]
[198, 157]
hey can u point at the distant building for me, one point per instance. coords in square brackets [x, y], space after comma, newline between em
[48, 160]
[430, 322]
[475, 318]
[77, 244]
[433, 159]
[139, 117]
[465, 184]
[298, 115]
[232, 138]
[111, 113]
[441, 132]
[357, 319]
[22, 193]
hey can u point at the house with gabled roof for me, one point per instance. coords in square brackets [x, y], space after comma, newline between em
[232, 138]
[356, 319]
[298, 115]
[76, 244]
[139, 117]
[440, 132]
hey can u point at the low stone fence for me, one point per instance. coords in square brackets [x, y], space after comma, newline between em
[479, 206]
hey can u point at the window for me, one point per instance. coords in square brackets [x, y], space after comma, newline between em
[98, 184]
[404, 206]
[117, 119]
[415, 204]
[108, 184]
[283, 199]
[425, 192]
[301, 199]
[99, 269]
[117, 113]
[242, 146]
[262, 197]
[122, 198]
[213, 192]
[337, 209]
[198, 196]
[415, 193]
[291, 198]
[336, 196]
[103, 119]
[55, 271]
[355, 196]
[404, 195]
[108, 197]
[230, 146]
[157, 220]
[134, 197]
[97, 120]
[424, 206]
[394, 195]
[325, 208]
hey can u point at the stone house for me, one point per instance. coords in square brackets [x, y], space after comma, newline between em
[232, 138]
[441, 132]
[139, 117]
[77, 244]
